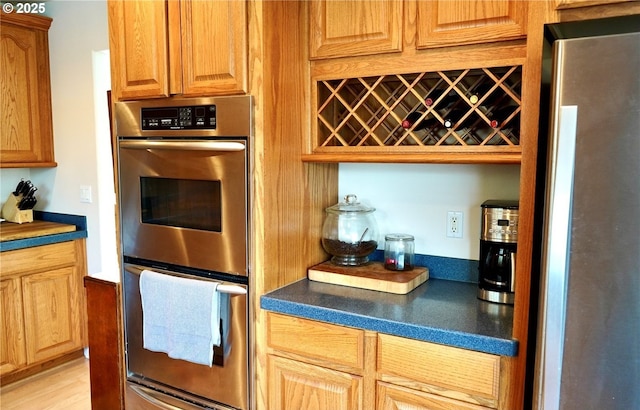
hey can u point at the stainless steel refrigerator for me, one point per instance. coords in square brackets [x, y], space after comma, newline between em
[588, 326]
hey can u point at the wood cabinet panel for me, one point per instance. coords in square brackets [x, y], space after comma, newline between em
[579, 10]
[26, 260]
[26, 131]
[567, 4]
[455, 22]
[351, 28]
[447, 371]
[295, 385]
[323, 341]
[43, 307]
[53, 319]
[139, 48]
[213, 55]
[390, 397]
[193, 48]
[12, 349]
[105, 337]
[398, 373]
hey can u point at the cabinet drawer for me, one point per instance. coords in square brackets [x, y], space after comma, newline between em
[448, 371]
[22, 261]
[316, 340]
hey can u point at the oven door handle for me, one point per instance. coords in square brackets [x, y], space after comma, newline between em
[148, 395]
[230, 289]
[185, 145]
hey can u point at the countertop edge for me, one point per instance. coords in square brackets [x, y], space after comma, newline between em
[469, 341]
[80, 221]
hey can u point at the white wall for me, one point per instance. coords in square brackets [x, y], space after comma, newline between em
[9, 178]
[79, 30]
[415, 199]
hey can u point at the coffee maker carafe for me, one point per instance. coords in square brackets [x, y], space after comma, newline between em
[498, 243]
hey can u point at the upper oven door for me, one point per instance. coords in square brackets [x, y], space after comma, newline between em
[184, 202]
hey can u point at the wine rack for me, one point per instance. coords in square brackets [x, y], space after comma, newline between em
[476, 108]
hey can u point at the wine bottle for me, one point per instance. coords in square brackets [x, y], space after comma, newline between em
[500, 114]
[454, 116]
[446, 102]
[424, 123]
[483, 88]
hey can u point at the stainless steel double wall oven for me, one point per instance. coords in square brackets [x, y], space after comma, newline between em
[183, 167]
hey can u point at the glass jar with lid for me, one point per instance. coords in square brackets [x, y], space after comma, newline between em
[398, 251]
[350, 232]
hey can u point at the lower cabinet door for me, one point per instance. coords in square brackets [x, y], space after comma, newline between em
[53, 322]
[392, 397]
[12, 354]
[296, 385]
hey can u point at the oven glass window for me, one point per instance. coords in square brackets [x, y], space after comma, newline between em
[182, 203]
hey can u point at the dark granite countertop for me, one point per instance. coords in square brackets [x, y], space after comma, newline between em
[438, 311]
[79, 221]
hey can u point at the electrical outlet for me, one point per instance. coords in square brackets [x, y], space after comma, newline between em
[454, 224]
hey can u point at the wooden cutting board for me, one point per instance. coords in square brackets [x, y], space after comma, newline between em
[372, 276]
[10, 231]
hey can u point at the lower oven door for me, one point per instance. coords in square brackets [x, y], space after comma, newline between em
[153, 375]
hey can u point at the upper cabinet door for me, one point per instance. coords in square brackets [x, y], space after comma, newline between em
[352, 28]
[455, 22]
[139, 48]
[214, 47]
[193, 48]
[26, 131]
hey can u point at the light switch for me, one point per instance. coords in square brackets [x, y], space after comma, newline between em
[85, 193]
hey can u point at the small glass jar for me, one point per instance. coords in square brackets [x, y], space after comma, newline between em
[398, 251]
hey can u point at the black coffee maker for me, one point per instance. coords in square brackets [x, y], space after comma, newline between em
[498, 242]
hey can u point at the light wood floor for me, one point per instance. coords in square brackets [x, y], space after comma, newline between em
[65, 387]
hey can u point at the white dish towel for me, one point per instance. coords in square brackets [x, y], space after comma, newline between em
[180, 316]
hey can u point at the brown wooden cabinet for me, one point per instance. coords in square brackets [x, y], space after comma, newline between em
[192, 48]
[43, 285]
[313, 364]
[354, 28]
[455, 22]
[438, 374]
[13, 354]
[374, 64]
[53, 304]
[106, 345]
[296, 385]
[26, 130]
[351, 28]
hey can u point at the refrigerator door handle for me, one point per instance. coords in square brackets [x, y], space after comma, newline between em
[512, 281]
[557, 243]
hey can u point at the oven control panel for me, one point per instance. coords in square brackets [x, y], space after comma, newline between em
[192, 117]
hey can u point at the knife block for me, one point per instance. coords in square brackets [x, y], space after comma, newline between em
[11, 213]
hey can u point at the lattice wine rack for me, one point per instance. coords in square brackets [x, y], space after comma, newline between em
[461, 108]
